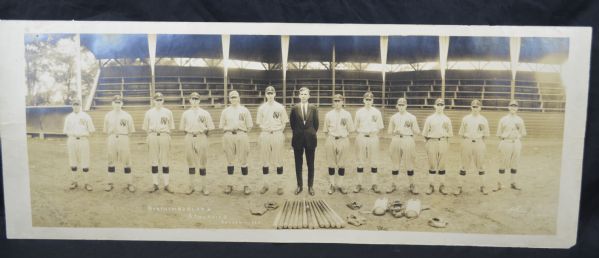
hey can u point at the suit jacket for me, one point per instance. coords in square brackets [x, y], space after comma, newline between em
[304, 135]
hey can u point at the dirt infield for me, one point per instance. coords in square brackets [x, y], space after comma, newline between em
[531, 211]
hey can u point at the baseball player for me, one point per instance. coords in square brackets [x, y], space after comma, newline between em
[118, 124]
[196, 123]
[473, 130]
[510, 129]
[158, 123]
[403, 126]
[436, 131]
[78, 126]
[368, 123]
[337, 125]
[271, 118]
[236, 122]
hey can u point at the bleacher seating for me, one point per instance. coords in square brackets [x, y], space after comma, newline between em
[535, 91]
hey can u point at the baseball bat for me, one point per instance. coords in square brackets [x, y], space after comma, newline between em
[319, 223]
[327, 214]
[296, 217]
[278, 218]
[290, 221]
[339, 219]
[313, 216]
[325, 222]
[287, 215]
[304, 214]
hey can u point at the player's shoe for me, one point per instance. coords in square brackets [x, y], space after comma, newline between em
[88, 187]
[168, 189]
[190, 190]
[228, 189]
[342, 190]
[131, 188]
[332, 189]
[442, 189]
[264, 190]
[154, 188]
[499, 187]
[458, 192]
[73, 186]
[375, 189]
[392, 189]
[358, 188]
[280, 191]
[246, 190]
[311, 191]
[205, 191]
[108, 187]
[413, 189]
[431, 189]
[515, 186]
[483, 190]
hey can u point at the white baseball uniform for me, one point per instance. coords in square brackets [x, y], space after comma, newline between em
[272, 118]
[403, 128]
[437, 128]
[337, 124]
[78, 126]
[510, 129]
[236, 121]
[118, 125]
[159, 122]
[196, 122]
[368, 123]
[472, 131]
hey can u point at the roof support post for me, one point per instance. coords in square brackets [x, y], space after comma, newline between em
[384, 48]
[514, 58]
[152, 51]
[333, 65]
[284, 57]
[443, 50]
[226, 40]
[78, 66]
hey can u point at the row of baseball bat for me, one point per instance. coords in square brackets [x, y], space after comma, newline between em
[307, 214]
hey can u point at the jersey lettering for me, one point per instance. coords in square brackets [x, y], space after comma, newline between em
[164, 120]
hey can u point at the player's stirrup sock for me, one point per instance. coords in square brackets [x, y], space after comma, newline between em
[165, 174]
[462, 177]
[244, 175]
[442, 176]
[111, 174]
[341, 172]
[192, 173]
[360, 172]
[73, 174]
[129, 175]
[155, 175]
[513, 175]
[482, 176]
[431, 177]
[85, 176]
[332, 176]
[373, 176]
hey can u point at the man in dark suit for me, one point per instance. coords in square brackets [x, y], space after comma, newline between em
[304, 124]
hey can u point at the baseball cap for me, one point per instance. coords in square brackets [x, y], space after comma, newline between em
[368, 95]
[402, 101]
[513, 102]
[270, 89]
[158, 95]
[116, 98]
[76, 102]
[338, 97]
[475, 102]
[439, 101]
[194, 95]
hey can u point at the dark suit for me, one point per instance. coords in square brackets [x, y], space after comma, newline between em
[304, 140]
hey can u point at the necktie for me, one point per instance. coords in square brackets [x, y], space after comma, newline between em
[305, 112]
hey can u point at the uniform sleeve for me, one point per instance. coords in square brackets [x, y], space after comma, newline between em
[450, 128]
[391, 126]
[350, 125]
[426, 127]
[357, 121]
[182, 122]
[326, 123]
[90, 124]
[209, 122]
[249, 123]
[285, 118]
[415, 127]
[105, 125]
[221, 123]
[145, 126]
[172, 120]
[259, 119]
[522, 128]
[462, 127]
[131, 124]
[380, 123]
[499, 128]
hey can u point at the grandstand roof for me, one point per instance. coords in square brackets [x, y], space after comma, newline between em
[267, 48]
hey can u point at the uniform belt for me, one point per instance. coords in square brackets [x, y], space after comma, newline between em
[473, 140]
[158, 134]
[79, 137]
[338, 137]
[506, 139]
[235, 131]
[195, 134]
[402, 136]
[119, 134]
[368, 134]
[272, 132]
[437, 139]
